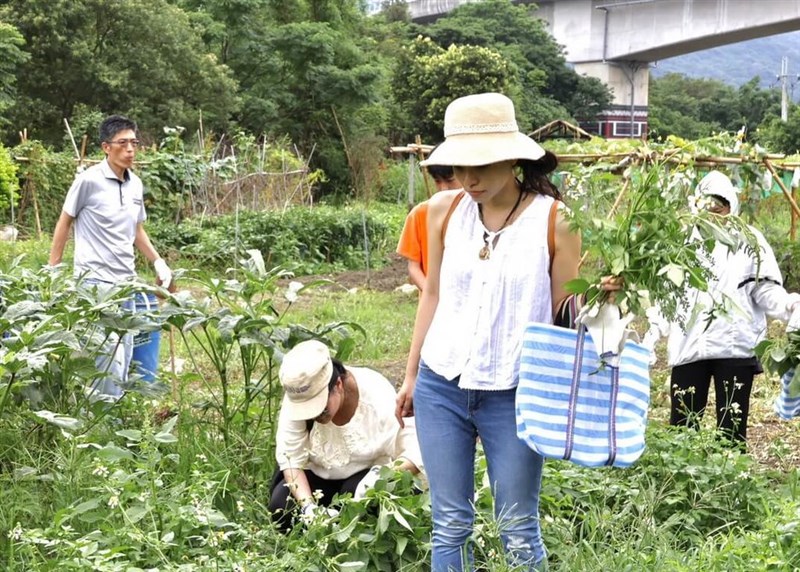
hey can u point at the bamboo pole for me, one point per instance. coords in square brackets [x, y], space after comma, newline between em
[36, 212]
[72, 140]
[789, 197]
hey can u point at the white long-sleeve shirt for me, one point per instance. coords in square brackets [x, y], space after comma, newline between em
[756, 291]
[372, 437]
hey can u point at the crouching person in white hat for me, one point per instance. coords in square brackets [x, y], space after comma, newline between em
[336, 429]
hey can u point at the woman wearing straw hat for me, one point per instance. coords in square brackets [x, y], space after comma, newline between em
[336, 429]
[491, 270]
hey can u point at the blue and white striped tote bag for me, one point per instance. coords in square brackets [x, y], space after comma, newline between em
[787, 404]
[572, 406]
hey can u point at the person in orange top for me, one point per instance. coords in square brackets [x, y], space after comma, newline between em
[413, 244]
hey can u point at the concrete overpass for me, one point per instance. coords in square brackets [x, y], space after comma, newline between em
[616, 40]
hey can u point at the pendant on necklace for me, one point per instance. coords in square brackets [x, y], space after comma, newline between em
[484, 252]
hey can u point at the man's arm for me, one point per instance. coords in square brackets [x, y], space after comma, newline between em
[145, 246]
[60, 237]
[142, 242]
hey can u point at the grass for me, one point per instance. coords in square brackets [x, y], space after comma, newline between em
[386, 317]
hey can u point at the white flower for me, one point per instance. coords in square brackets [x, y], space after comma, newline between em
[215, 539]
[100, 471]
[292, 290]
[15, 533]
[113, 502]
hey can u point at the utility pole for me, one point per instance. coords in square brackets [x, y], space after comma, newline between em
[784, 79]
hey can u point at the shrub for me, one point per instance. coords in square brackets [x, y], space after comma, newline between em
[8, 179]
[49, 175]
[302, 239]
[787, 253]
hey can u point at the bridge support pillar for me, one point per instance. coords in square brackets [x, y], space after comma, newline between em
[628, 81]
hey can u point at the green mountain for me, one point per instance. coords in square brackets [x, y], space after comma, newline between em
[739, 63]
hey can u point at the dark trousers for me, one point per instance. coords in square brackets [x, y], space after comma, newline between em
[733, 381]
[282, 503]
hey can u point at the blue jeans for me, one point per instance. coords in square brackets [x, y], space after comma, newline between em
[114, 358]
[449, 420]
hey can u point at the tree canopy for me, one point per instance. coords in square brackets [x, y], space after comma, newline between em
[141, 57]
[11, 56]
[339, 85]
[694, 108]
[545, 87]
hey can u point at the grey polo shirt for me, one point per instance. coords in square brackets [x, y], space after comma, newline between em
[106, 212]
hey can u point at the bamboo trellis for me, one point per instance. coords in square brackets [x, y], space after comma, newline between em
[772, 162]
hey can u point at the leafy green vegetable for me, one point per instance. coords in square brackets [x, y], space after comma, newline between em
[655, 242]
[782, 355]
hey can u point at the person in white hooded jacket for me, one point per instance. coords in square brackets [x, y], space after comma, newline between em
[721, 347]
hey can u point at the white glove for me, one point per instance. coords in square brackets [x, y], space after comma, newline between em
[607, 329]
[367, 482]
[311, 511]
[163, 272]
[308, 512]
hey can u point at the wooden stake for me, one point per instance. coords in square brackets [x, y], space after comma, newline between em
[36, 211]
[421, 157]
[83, 149]
[173, 369]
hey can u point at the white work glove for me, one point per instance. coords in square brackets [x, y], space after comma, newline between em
[367, 482]
[308, 512]
[163, 272]
[311, 511]
[607, 329]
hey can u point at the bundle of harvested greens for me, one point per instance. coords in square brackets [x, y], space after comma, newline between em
[782, 354]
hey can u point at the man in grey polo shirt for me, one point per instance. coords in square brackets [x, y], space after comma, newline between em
[105, 203]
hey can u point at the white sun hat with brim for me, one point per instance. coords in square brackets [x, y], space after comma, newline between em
[482, 129]
[717, 183]
[305, 375]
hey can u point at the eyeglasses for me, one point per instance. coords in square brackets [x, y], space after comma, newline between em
[125, 142]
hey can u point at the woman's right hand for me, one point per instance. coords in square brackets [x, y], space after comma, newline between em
[405, 400]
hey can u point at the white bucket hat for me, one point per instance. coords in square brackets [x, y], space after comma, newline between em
[305, 374]
[717, 183]
[482, 129]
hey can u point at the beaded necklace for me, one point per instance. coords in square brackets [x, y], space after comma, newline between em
[491, 237]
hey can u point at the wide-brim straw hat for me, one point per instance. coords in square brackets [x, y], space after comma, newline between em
[482, 129]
